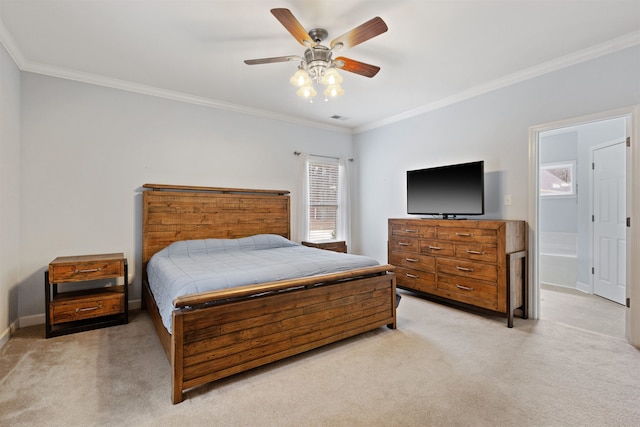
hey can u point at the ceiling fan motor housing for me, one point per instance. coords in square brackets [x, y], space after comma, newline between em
[318, 59]
[318, 34]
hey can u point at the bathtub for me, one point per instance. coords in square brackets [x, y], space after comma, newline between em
[558, 259]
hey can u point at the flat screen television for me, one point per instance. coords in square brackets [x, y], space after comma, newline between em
[447, 191]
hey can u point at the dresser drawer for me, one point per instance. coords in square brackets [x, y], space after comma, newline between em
[473, 270]
[413, 230]
[404, 244]
[81, 305]
[473, 252]
[473, 235]
[81, 268]
[414, 279]
[470, 291]
[433, 247]
[413, 261]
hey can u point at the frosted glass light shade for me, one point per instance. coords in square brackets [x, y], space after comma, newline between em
[300, 78]
[307, 92]
[331, 77]
[333, 91]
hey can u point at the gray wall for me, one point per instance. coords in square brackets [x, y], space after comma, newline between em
[86, 150]
[559, 214]
[493, 127]
[9, 191]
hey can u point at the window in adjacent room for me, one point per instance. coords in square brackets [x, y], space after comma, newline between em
[558, 179]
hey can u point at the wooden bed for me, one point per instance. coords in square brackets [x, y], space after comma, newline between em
[250, 326]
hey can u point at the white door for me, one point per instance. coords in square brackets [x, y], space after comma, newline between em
[609, 222]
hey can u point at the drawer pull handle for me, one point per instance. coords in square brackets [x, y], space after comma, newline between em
[91, 270]
[80, 310]
[404, 244]
[464, 288]
[475, 252]
[464, 234]
[435, 248]
[413, 276]
[410, 231]
[464, 268]
[411, 260]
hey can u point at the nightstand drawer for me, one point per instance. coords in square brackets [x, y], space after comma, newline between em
[81, 268]
[81, 305]
[329, 245]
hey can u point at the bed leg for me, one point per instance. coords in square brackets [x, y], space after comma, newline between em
[177, 362]
[395, 297]
[176, 396]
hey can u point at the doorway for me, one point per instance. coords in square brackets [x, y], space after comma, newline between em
[575, 254]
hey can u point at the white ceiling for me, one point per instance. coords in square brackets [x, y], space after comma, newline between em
[434, 53]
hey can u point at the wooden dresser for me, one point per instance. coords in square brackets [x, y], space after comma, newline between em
[480, 263]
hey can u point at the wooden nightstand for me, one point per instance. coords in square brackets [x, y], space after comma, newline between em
[329, 245]
[81, 310]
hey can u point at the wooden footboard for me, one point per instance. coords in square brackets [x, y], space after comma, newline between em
[213, 342]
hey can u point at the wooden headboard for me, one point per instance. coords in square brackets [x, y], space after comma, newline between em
[174, 212]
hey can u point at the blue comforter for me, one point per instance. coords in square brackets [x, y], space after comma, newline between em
[192, 266]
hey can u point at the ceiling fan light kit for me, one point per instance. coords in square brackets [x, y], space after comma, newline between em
[317, 65]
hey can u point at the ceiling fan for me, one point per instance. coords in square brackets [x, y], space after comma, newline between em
[318, 63]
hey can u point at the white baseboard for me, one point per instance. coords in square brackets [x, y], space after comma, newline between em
[36, 319]
[4, 337]
[7, 333]
[584, 287]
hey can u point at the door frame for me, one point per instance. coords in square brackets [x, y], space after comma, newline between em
[632, 326]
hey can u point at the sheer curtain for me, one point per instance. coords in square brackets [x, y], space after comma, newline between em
[301, 229]
[344, 201]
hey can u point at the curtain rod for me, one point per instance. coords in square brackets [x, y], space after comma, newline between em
[297, 153]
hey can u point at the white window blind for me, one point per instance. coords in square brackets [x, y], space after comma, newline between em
[323, 200]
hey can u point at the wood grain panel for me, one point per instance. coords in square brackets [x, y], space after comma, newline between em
[169, 216]
[352, 306]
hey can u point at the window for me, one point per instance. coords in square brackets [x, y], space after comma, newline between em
[323, 200]
[557, 179]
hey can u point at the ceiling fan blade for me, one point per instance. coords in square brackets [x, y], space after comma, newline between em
[362, 33]
[272, 60]
[357, 67]
[292, 25]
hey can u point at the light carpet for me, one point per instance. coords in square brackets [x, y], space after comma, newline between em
[443, 366]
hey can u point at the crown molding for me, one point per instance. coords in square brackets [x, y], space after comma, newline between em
[574, 58]
[33, 67]
[128, 86]
[10, 46]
